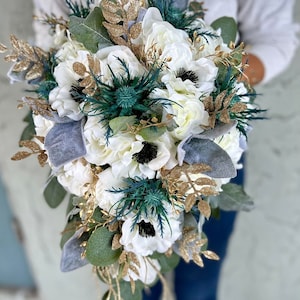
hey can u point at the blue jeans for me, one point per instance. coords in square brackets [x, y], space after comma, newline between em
[193, 282]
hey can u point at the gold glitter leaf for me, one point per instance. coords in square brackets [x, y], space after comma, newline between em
[32, 145]
[205, 181]
[79, 68]
[208, 191]
[210, 255]
[111, 17]
[199, 168]
[238, 107]
[219, 100]
[132, 256]
[198, 260]
[134, 269]
[122, 257]
[116, 242]
[40, 138]
[135, 30]
[227, 100]
[208, 103]
[21, 66]
[204, 208]
[42, 158]
[11, 58]
[35, 72]
[3, 48]
[110, 6]
[133, 10]
[224, 116]
[189, 202]
[20, 155]
[113, 29]
[14, 42]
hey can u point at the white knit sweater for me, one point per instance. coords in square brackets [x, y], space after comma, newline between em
[265, 26]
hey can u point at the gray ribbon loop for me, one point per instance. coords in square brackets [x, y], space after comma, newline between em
[64, 142]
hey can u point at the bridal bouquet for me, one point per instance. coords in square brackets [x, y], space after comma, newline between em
[139, 112]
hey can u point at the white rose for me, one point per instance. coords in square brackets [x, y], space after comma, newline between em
[110, 57]
[74, 177]
[60, 97]
[188, 111]
[163, 36]
[106, 183]
[42, 125]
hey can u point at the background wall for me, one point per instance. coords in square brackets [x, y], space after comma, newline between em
[263, 261]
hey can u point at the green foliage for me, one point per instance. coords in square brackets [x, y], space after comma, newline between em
[168, 263]
[44, 89]
[152, 133]
[99, 248]
[54, 193]
[90, 31]
[228, 28]
[29, 130]
[233, 198]
[126, 291]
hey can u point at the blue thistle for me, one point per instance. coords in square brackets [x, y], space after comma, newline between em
[144, 198]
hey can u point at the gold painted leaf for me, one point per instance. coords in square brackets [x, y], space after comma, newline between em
[20, 155]
[205, 181]
[189, 202]
[3, 48]
[11, 58]
[32, 145]
[210, 255]
[79, 68]
[116, 241]
[113, 29]
[219, 100]
[224, 116]
[35, 72]
[208, 191]
[204, 208]
[135, 30]
[198, 260]
[133, 10]
[111, 17]
[42, 158]
[227, 100]
[20, 66]
[238, 107]
[110, 6]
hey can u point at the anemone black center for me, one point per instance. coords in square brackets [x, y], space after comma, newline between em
[76, 92]
[146, 229]
[185, 75]
[148, 152]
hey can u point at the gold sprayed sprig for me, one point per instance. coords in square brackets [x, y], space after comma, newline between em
[33, 148]
[27, 59]
[220, 108]
[188, 191]
[192, 246]
[119, 16]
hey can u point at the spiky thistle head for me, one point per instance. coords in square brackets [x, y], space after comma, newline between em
[145, 198]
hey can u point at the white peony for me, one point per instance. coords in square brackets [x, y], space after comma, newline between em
[188, 111]
[106, 183]
[74, 177]
[60, 97]
[110, 58]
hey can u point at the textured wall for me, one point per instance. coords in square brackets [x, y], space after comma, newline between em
[263, 261]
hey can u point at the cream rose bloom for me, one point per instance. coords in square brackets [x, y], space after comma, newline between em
[74, 177]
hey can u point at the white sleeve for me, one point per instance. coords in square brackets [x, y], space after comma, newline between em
[57, 7]
[267, 27]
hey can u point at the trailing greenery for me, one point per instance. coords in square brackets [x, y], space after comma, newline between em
[144, 197]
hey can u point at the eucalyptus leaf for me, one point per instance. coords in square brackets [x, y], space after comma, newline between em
[228, 28]
[233, 198]
[126, 292]
[29, 131]
[54, 193]
[152, 133]
[121, 123]
[90, 31]
[168, 263]
[99, 248]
